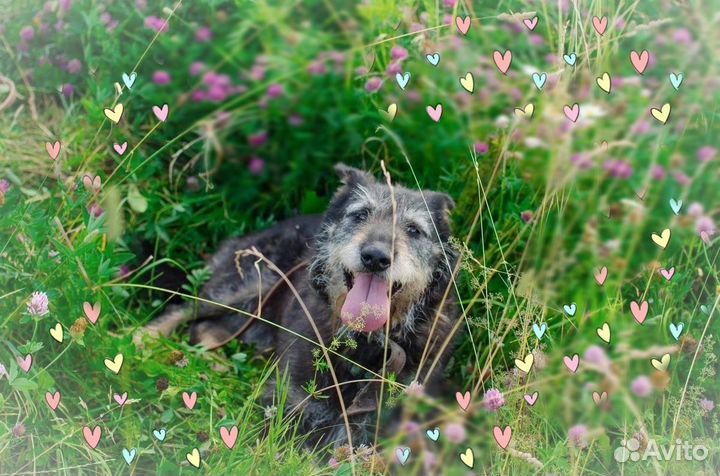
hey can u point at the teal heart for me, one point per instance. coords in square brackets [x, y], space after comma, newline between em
[129, 455]
[129, 80]
[705, 309]
[433, 434]
[402, 79]
[571, 309]
[676, 80]
[570, 59]
[159, 434]
[676, 205]
[402, 455]
[539, 80]
[539, 330]
[676, 330]
[433, 59]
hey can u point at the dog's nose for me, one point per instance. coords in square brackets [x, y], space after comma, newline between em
[374, 258]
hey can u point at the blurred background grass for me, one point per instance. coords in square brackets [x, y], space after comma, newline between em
[264, 98]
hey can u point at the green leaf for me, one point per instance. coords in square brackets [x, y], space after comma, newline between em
[136, 200]
[23, 384]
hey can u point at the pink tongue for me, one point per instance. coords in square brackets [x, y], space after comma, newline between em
[367, 307]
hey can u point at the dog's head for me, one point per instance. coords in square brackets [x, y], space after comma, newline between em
[375, 260]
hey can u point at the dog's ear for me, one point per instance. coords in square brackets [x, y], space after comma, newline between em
[350, 175]
[440, 202]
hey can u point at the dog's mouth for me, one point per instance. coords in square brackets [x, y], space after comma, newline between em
[367, 304]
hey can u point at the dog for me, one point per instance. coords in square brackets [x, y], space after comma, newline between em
[379, 260]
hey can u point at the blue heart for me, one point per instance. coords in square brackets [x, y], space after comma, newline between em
[129, 455]
[676, 205]
[433, 59]
[676, 80]
[570, 59]
[676, 330]
[402, 455]
[434, 434]
[402, 79]
[159, 434]
[539, 330]
[539, 80]
[570, 309]
[129, 80]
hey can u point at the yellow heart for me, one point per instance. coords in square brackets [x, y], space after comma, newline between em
[526, 111]
[604, 82]
[390, 113]
[661, 114]
[662, 239]
[604, 332]
[194, 457]
[661, 364]
[468, 458]
[526, 364]
[115, 364]
[468, 82]
[57, 332]
[115, 114]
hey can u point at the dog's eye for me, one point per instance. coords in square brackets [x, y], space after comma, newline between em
[413, 231]
[360, 215]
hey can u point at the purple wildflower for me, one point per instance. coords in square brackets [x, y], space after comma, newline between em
[274, 91]
[373, 84]
[196, 68]
[455, 432]
[156, 24]
[68, 90]
[493, 400]
[641, 386]
[707, 405]
[706, 153]
[161, 78]
[4, 186]
[39, 304]
[398, 53]
[256, 165]
[481, 148]
[203, 34]
[27, 33]
[258, 140]
[577, 436]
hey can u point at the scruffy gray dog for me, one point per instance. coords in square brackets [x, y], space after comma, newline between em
[366, 262]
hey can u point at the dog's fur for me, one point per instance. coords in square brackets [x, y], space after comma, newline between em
[361, 212]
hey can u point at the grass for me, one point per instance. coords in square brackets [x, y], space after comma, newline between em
[538, 214]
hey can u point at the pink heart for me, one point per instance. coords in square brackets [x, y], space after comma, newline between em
[601, 275]
[463, 24]
[599, 397]
[502, 436]
[92, 437]
[25, 363]
[572, 364]
[639, 312]
[640, 61]
[572, 113]
[463, 399]
[161, 113]
[600, 24]
[92, 184]
[92, 312]
[229, 437]
[53, 150]
[434, 113]
[189, 399]
[668, 273]
[502, 61]
[120, 399]
[531, 23]
[52, 399]
[120, 149]
[531, 399]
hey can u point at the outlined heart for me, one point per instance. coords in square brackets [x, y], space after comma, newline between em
[662, 114]
[402, 454]
[601, 275]
[433, 434]
[531, 399]
[161, 112]
[573, 112]
[189, 399]
[640, 311]
[539, 330]
[503, 60]
[229, 437]
[53, 150]
[604, 332]
[92, 184]
[116, 364]
[668, 273]
[390, 113]
[676, 80]
[160, 434]
[675, 205]
[599, 397]
[463, 24]
[402, 79]
[502, 437]
[193, 457]
[604, 82]
[129, 456]
[92, 437]
[53, 399]
[570, 59]
[662, 239]
[572, 363]
[25, 362]
[463, 399]
[468, 82]
[676, 330]
[571, 309]
[92, 311]
[435, 113]
[115, 114]
[640, 61]
[57, 333]
[600, 24]
[120, 399]
[539, 80]
[661, 364]
[468, 457]
[531, 23]
[526, 364]
[433, 59]
[120, 148]
[129, 80]
[526, 111]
